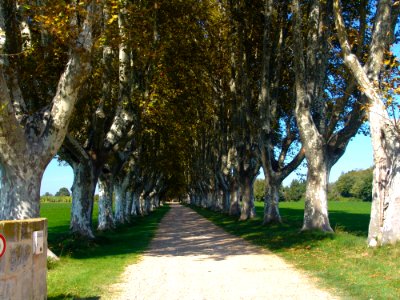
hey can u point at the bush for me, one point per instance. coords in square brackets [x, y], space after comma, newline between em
[259, 190]
[295, 191]
[63, 192]
[345, 183]
[362, 187]
[354, 184]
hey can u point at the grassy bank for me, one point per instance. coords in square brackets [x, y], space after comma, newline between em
[86, 269]
[341, 261]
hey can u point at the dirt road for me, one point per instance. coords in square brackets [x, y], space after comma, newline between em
[191, 258]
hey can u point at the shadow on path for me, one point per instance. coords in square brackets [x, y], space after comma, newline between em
[189, 234]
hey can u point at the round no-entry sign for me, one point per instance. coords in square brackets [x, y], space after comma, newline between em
[2, 245]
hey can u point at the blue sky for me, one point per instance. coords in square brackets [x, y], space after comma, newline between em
[358, 155]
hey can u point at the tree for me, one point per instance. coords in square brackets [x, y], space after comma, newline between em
[357, 184]
[362, 188]
[328, 105]
[295, 191]
[111, 101]
[63, 192]
[30, 139]
[345, 183]
[384, 226]
[259, 190]
[278, 134]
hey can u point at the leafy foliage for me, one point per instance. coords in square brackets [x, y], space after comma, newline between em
[259, 190]
[63, 192]
[354, 184]
[295, 191]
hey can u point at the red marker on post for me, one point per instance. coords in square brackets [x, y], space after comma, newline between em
[2, 245]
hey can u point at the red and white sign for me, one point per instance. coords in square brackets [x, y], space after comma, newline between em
[2, 245]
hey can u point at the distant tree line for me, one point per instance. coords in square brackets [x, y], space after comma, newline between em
[354, 185]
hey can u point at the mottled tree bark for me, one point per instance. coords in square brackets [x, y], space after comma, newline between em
[384, 225]
[226, 200]
[247, 210]
[276, 169]
[316, 202]
[226, 197]
[271, 202]
[17, 184]
[36, 137]
[120, 203]
[309, 83]
[129, 203]
[234, 209]
[106, 218]
[135, 204]
[83, 189]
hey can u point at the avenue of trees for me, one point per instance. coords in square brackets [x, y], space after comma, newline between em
[159, 99]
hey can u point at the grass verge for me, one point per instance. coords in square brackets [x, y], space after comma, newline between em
[86, 269]
[341, 261]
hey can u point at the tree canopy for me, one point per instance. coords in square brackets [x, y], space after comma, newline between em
[189, 99]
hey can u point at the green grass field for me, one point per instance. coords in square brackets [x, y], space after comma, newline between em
[86, 269]
[341, 261]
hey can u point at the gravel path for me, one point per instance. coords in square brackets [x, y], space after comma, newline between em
[191, 258]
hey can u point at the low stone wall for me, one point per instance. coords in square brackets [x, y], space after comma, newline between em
[22, 272]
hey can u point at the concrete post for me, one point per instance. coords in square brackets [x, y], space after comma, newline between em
[23, 266]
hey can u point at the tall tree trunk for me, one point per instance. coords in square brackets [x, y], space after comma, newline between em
[83, 189]
[316, 202]
[135, 204]
[129, 204]
[271, 202]
[308, 94]
[120, 203]
[226, 197]
[156, 201]
[226, 200]
[151, 200]
[144, 204]
[106, 218]
[234, 209]
[384, 227]
[247, 210]
[19, 191]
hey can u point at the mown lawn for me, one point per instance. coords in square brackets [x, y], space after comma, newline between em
[86, 269]
[341, 261]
